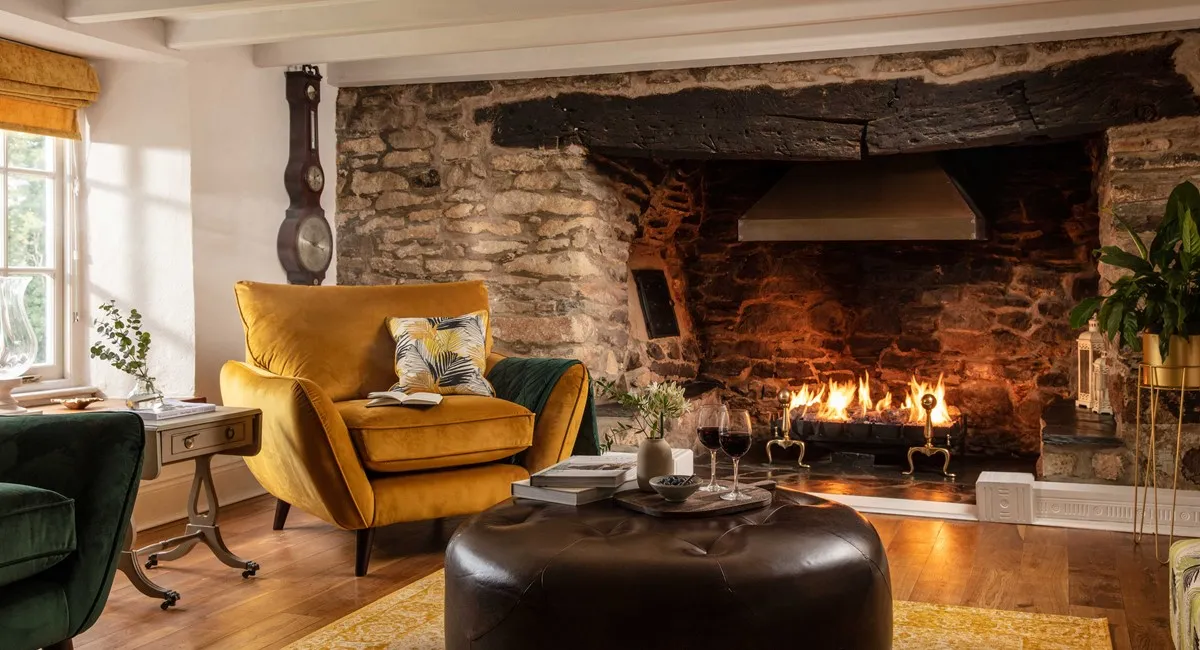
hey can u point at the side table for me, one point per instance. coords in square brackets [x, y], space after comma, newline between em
[228, 430]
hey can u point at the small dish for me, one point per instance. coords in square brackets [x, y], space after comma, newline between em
[77, 403]
[675, 488]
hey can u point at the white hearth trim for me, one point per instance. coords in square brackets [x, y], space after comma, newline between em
[904, 507]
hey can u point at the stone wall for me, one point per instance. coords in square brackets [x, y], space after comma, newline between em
[424, 194]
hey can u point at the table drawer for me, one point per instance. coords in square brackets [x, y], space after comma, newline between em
[206, 439]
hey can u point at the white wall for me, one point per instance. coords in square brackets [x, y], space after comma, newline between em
[183, 197]
[239, 132]
[136, 218]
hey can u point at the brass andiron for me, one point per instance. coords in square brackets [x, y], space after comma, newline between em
[785, 400]
[928, 401]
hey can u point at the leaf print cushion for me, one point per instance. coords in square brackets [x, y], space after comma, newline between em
[441, 355]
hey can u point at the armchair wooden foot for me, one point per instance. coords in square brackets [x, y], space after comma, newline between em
[281, 512]
[362, 550]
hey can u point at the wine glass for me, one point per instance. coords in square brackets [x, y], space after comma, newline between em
[711, 420]
[735, 442]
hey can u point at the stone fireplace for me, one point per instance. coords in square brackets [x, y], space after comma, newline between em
[554, 190]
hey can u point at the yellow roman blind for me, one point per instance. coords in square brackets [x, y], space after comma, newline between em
[41, 91]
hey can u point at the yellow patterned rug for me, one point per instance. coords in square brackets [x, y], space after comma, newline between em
[411, 619]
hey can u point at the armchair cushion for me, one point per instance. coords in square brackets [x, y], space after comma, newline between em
[39, 530]
[462, 430]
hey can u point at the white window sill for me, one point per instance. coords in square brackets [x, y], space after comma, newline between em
[38, 395]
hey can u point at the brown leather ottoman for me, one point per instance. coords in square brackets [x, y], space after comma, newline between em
[801, 573]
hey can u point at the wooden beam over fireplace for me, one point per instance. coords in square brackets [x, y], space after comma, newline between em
[846, 121]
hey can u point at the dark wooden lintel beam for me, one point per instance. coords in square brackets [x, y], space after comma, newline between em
[846, 121]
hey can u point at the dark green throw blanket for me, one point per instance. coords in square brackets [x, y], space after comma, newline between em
[528, 382]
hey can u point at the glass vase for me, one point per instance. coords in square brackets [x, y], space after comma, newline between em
[18, 342]
[144, 395]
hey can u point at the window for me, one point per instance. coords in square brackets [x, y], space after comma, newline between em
[35, 200]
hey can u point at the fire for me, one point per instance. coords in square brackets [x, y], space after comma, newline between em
[836, 401]
[912, 403]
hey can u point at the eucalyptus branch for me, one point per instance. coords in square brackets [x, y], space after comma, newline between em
[651, 405]
[122, 342]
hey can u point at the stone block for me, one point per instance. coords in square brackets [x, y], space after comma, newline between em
[473, 227]
[458, 266]
[411, 139]
[524, 202]
[401, 159]
[1055, 464]
[951, 63]
[389, 200]
[568, 264]
[1108, 465]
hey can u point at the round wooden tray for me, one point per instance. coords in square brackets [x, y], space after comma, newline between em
[700, 504]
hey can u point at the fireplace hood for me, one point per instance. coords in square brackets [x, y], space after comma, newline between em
[890, 198]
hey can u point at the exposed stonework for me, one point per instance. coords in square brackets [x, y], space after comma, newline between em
[424, 194]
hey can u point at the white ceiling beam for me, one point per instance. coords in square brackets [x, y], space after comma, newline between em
[40, 23]
[103, 11]
[203, 31]
[1070, 19]
[711, 18]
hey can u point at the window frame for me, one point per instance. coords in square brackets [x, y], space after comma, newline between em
[65, 339]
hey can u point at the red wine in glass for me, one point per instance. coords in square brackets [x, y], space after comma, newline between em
[711, 420]
[710, 437]
[735, 443]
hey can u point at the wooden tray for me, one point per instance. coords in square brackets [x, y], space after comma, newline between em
[700, 504]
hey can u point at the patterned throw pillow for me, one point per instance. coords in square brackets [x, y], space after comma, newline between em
[441, 355]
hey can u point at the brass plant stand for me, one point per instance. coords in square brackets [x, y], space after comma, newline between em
[786, 442]
[928, 401]
[1162, 378]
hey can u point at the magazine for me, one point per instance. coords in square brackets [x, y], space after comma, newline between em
[398, 398]
[607, 471]
[173, 408]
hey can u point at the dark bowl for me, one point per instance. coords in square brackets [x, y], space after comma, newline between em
[675, 493]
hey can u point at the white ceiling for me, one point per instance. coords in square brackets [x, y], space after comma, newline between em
[394, 41]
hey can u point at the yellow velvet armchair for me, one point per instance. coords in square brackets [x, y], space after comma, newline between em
[313, 354]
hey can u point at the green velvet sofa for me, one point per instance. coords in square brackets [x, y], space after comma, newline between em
[67, 486]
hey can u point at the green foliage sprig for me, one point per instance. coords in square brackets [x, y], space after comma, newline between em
[123, 344]
[652, 405]
[1161, 294]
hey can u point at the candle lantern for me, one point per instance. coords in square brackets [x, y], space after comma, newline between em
[1090, 389]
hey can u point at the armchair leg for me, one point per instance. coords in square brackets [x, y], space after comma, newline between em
[65, 644]
[362, 550]
[281, 512]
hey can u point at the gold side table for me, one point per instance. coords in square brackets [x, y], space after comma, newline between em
[1154, 380]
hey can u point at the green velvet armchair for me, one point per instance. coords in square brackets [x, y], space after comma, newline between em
[67, 486]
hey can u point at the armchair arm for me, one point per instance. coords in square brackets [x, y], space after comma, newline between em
[559, 417]
[307, 458]
[95, 459]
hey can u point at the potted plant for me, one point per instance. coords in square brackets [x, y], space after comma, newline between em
[653, 406]
[1155, 308]
[126, 347]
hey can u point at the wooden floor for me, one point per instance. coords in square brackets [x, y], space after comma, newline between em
[307, 578]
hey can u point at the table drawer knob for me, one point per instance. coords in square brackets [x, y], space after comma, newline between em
[189, 442]
[229, 433]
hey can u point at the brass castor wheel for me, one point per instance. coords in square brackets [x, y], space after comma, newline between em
[152, 561]
[251, 569]
[169, 600]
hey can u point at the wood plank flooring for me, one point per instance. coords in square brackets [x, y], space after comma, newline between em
[307, 579]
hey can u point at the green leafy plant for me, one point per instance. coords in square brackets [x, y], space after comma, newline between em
[652, 406]
[1161, 294]
[123, 344]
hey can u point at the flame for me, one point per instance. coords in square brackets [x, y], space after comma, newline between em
[912, 403]
[806, 398]
[837, 405]
[836, 401]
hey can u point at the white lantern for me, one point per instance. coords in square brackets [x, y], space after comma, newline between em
[1090, 350]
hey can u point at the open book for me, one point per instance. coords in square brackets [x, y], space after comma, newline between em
[398, 398]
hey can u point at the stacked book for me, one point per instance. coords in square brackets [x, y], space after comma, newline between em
[584, 479]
